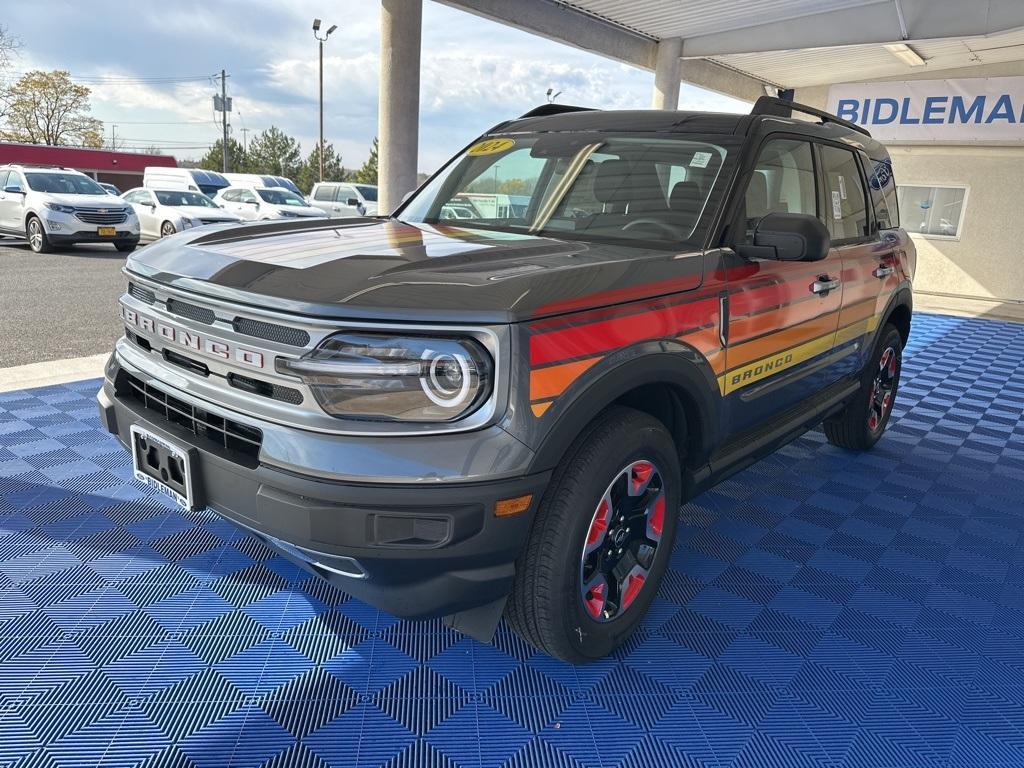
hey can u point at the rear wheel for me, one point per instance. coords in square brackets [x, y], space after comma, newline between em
[37, 238]
[861, 423]
[601, 540]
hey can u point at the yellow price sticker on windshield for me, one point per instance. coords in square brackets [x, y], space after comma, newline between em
[490, 147]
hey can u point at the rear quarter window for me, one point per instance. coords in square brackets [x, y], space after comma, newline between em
[882, 188]
[324, 193]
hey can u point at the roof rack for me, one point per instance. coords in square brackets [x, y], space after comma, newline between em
[554, 109]
[768, 105]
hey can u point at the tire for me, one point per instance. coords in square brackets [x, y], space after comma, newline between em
[550, 606]
[167, 229]
[35, 232]
[861, 423]
[126, 247]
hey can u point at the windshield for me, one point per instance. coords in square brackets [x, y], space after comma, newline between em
[184, 198]
[63, 183]
[641, 189]
[280, 197]
[368, 193]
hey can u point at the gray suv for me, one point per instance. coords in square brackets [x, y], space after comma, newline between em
[501, 415]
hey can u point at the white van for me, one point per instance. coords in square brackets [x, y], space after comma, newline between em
[191, 179]
[259, 180]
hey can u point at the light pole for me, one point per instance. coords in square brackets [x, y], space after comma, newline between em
[322, 40]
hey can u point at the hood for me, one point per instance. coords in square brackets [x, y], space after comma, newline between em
[387, 270]
[202, 212]
[88, 201]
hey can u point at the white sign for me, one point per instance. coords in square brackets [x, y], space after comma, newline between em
[968, 109]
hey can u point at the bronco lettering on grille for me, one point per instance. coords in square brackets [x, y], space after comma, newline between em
[191, 340]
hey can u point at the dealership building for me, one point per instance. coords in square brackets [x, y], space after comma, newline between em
[940, 81]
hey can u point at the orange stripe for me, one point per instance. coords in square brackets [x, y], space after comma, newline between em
[857, 312]
[776, 342]
[553, 381]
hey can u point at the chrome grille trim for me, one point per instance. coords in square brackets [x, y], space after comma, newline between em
[93, 216]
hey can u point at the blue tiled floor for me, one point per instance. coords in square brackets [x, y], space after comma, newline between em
[823, 609]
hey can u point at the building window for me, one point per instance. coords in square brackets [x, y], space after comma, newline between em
[933, 211]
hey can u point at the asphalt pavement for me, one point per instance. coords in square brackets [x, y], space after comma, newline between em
[60, 305]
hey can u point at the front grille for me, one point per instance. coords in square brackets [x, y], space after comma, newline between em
[140, 293]
[91, 216]
[241, 442]
[282, 334]
[191, 311]
[265, 389]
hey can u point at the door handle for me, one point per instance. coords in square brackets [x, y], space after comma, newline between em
[824, 284]
[884, 270]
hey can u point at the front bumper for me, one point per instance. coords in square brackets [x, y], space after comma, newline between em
[66, 228]
[415, 549]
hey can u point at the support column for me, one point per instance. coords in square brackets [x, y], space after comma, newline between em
[401, 24]
[667, 74]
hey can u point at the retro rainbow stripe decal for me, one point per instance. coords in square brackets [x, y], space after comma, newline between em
[773, 327]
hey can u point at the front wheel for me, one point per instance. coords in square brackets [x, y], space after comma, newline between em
[601, 540]
[127, 247]
[167, 229]
[37, 238]
[861, 423]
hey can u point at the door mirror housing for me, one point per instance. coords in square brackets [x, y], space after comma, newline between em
[14, 189]
[352, 201]
[788, 237]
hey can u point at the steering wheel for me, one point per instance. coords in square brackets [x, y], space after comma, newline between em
[649, 221]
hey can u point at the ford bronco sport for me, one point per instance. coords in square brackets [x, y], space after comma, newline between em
[502, 414]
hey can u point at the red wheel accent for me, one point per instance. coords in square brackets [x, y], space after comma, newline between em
[641, 473]
[600, 524]
[595, 600]
[657, 518]
[633, 587]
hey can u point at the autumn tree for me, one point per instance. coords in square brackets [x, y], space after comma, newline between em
[368, 173]
[48, 108]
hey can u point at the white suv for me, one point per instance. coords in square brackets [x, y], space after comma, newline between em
[342, 199]
[51, 207]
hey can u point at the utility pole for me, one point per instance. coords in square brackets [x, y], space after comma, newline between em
[113, 138]
[224, 118]
[322, 40]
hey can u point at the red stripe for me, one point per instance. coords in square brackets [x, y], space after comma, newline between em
[602, 336]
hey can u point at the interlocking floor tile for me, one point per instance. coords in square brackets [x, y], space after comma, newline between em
[821, 609]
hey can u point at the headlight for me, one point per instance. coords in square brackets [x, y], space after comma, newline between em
[287, 214]
[129, 212]
[60, 208]
[382, 377]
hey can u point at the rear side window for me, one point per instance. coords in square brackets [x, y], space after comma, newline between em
[846, 208]
[882, 188]
[3, 179]
[324, 192]
[783, 181]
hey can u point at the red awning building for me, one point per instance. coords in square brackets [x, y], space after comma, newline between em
[122, 169]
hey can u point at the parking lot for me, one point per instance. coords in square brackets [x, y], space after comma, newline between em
[57, 305]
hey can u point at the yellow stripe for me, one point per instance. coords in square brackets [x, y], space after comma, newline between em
[769, 366]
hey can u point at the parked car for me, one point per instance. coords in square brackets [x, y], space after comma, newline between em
[163, 212]
[192, 179]
[503, 415]
[53, 207]
[342, 199]
[110, 188]
[259, 180]
[263, 203]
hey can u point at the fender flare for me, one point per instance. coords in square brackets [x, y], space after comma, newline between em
[903, 296]
[669, 362]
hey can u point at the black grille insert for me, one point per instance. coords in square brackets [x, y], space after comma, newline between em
[282, 334]
[265, 388]
[140, 293]
[241, 442]
[191, 311]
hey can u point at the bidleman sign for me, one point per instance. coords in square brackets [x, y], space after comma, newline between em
[963, 110]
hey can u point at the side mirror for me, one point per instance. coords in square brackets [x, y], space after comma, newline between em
[788, 237]
[353, 201]
[14, 189]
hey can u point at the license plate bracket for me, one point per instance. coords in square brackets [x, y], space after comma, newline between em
[168, 468]
[106, 231]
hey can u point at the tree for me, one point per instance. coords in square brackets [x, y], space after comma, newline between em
[9, 46]
[47, 108]
[309, 173]
[213, 160]
[275, 153]
[368, 173]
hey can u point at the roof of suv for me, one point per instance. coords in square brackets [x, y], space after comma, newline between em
[42, 168]
[567, 118]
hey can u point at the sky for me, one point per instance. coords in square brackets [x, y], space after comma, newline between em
[150, 68]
